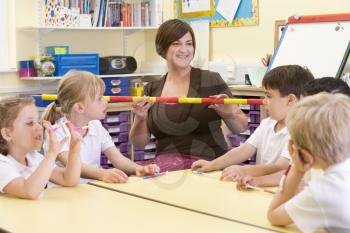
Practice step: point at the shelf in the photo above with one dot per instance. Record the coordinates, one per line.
(101, 76)
(90, 28)
(246, 90)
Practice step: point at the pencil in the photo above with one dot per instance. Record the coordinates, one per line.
(260, 189)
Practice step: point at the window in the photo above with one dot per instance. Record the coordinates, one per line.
(4, 54)
(6, 47)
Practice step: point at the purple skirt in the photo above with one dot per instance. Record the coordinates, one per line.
(171, 162)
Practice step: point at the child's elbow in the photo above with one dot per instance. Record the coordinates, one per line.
(273, 219)
(32, 195)
(71, 183)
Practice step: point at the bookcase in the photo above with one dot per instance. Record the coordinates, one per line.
(114, 38)
(105, 38)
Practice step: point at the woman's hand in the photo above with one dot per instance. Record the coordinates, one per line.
(224, 110)
(141, 106)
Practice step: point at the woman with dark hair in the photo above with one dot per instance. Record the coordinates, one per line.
(184, 132)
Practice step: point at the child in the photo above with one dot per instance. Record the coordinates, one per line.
(319, 128)
(269, 142)
(24, 172)
(327, 84)
(80, 100)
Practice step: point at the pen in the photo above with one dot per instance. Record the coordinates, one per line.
(260, 189)
(157, 174)
(283, 179)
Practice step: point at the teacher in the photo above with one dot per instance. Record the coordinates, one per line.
(184, 132)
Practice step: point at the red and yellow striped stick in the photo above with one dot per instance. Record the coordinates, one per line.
(172, 100)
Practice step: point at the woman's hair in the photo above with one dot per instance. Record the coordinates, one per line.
(74, 87)
(9, 110)
(320, 124)
(170, 31)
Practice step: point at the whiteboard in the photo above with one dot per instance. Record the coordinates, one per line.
(319, 46)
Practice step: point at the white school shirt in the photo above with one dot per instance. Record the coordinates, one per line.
(11, 169)
(324, 203)
(92, 145)
(269, 144)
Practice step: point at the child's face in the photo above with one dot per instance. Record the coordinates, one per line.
(27, 132)
(277, 106)
(96, 108)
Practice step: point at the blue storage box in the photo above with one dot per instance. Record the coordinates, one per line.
(56, 50)
(41, 103)
(117, 86)
(67, 62)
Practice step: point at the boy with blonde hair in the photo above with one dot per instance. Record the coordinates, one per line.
(319, 128)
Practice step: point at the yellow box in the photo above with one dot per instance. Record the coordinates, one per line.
(136, 91)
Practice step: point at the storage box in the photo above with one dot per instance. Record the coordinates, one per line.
(86, 62)
(57, 50)
(118, 86)
(121, 137)
(41, 103)
(117, 117)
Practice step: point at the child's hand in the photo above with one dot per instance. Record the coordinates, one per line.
(147, 170)
(141, 106)
(232, 173)
(243, 182)
(74, 145)
(54, 146)
(302, 159)
(114, 175)
(224, 110)
(202, 166)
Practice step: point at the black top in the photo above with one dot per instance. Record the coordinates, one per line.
(191, 129)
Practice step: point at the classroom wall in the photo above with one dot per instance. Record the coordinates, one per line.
(253, 42)
(24, 43)
(239, 43)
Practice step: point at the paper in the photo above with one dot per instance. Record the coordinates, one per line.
(228, 8)
(190, 6)
(201, 30)
(256, 75)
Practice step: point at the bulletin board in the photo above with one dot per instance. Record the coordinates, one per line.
(317, 42)
(247, 13)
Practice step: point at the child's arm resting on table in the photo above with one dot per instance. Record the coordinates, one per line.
(235, 156)
(303, 162)
(120, 161)
(112, 175)
(31, 187)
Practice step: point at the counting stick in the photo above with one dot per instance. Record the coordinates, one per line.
(172, 100)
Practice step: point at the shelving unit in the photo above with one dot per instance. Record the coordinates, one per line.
(101, 76)
(114, 109)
